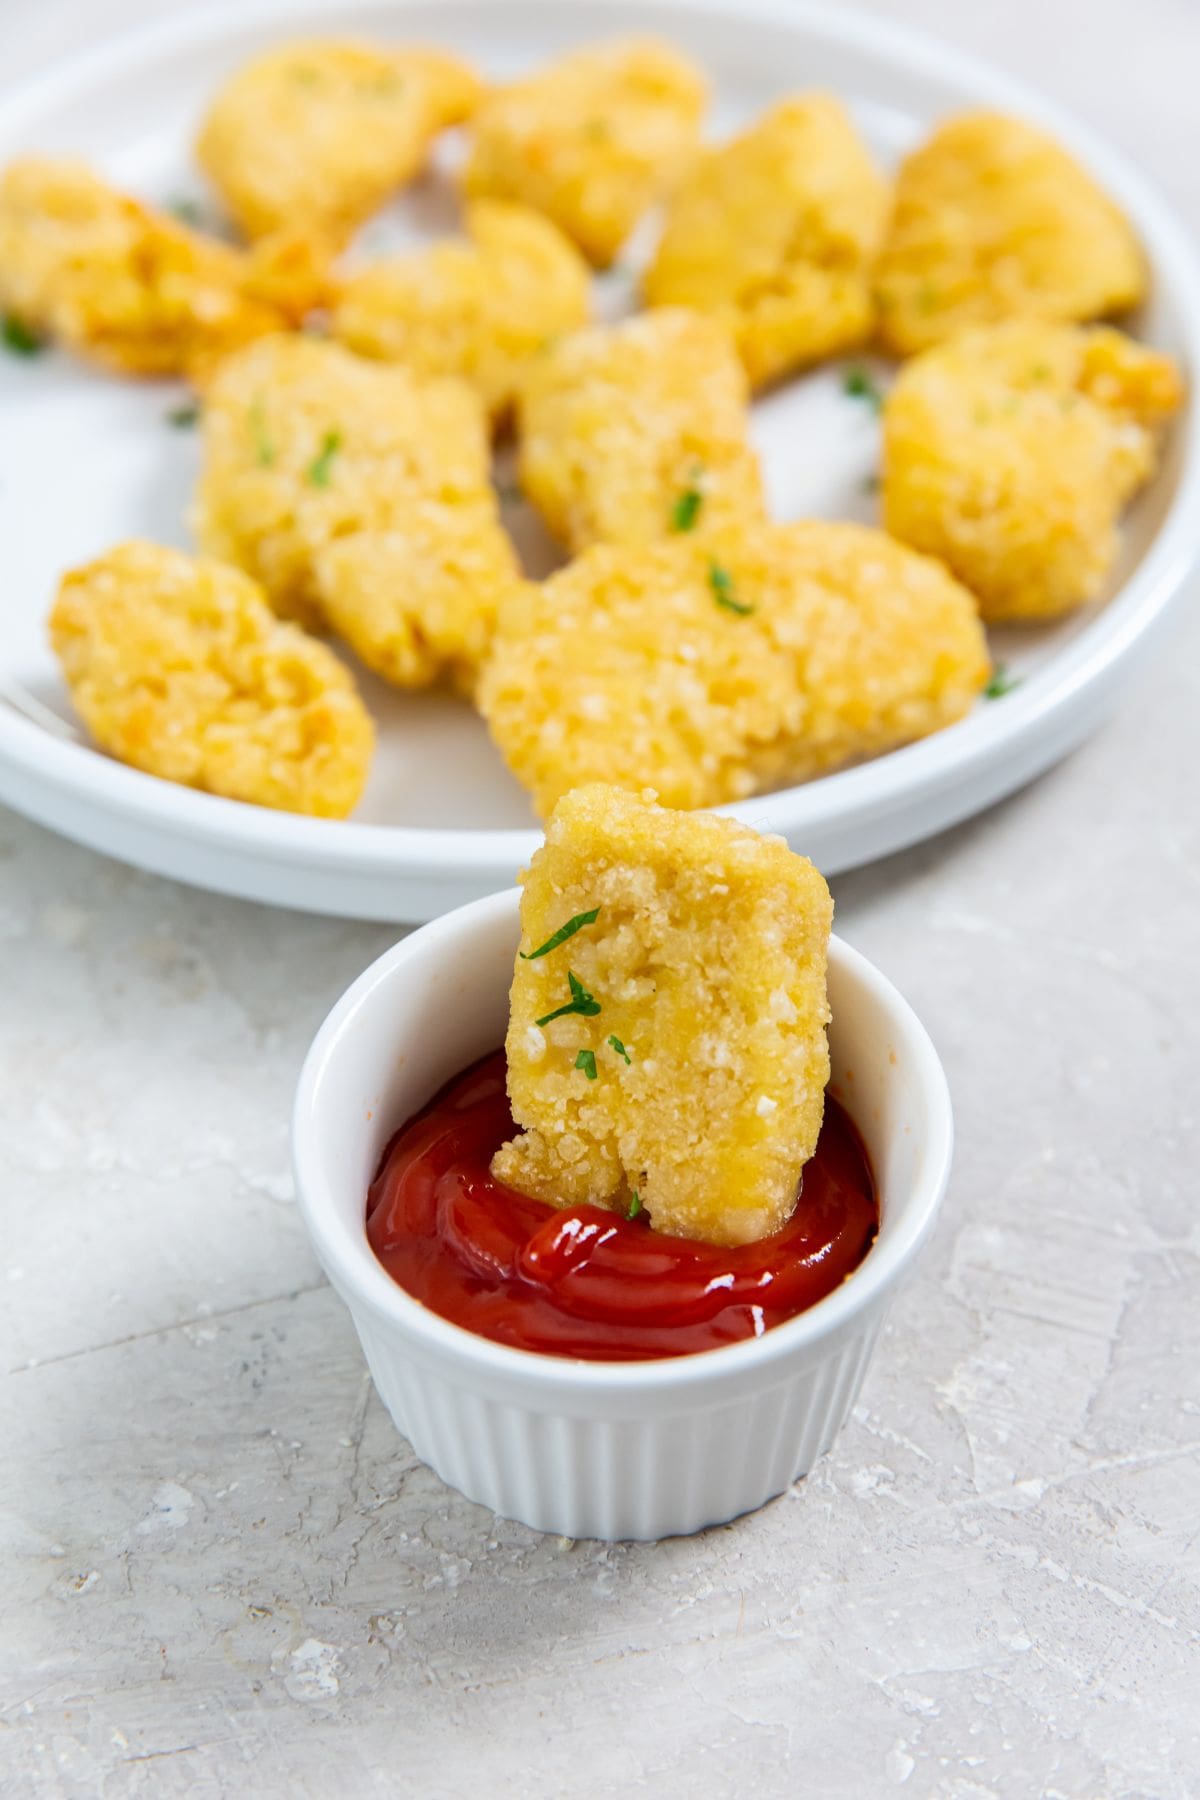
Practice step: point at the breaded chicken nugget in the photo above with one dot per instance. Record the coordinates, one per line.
(675, 1046)
(360, 497)
(1010, 451)
(179, 667)
(775, 234)
(479, 308)
(994, 220)
(319, 134)
(802, 647)
(131, 288)
(629, 432)
(592, 139)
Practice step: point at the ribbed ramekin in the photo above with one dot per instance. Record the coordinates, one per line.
(591, 1449)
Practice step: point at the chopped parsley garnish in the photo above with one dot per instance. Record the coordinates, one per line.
(186, 210)
(635, 1205)
(264, 449)
(860, 384)
(616, 1044)
(320, 469)
(586, 1060)
(1001, 683)
(562, 934)
(686, 509)
(721, 583)
(19, 339)
(580, 1002)
(183, 417)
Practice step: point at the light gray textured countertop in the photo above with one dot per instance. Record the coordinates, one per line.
(224, 1572)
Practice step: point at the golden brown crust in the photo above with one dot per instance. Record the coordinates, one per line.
(994, 220)
(619, 424)
(178, 667)
(319, 134)
(361, 498)
(133, 289)
(802, 647)
(1010, 451)
(775, 234)
(707, 964)
(478, 307)
(592, 139)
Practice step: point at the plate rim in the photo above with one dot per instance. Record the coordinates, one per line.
(913, 773)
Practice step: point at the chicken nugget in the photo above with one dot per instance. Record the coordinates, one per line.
(631, 432)
(994, 220)
(319, 134)
(132, 289)
(673, 1048)
(1010, 451)
(802, 647)
(776, 234)
(592, 139)
(478, 308)
(179, 667)
(360, 497)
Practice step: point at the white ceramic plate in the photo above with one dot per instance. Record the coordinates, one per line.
(86, 460)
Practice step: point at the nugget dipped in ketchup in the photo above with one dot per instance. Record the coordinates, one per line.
(652, 1167)
(671, 1042)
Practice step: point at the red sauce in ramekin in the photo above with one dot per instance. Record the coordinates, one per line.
(582, 1281)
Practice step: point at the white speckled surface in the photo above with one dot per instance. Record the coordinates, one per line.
(224, 1573)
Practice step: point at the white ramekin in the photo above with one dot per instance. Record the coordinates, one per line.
(590, 1449)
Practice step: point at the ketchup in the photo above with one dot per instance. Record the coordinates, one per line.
(583, 1281)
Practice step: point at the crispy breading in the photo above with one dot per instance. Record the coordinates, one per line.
(477, 307)
(630, 431)
(591, 139)
(360, 497)
(133, 289)
(1010, 451)
(775, 233)
(706, 969)
(320, 133)
(995, 220)
(803, 647)
(178, 666)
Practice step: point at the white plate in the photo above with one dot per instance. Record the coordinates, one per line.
(86, 461)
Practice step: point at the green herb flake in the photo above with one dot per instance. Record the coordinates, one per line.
(18, 339)
(872, 483)
(614, 1043)
(562, 934)
(586, 1060)
(860, 384)
(186, 210)
(184, 417)
(320, 469)
(1001, 683)
(581, 1002)
(721, 583)
(688, 505)
(635, 1205)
